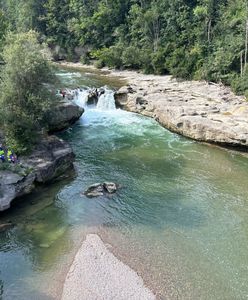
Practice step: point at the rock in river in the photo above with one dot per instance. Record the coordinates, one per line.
(98, 189)
(95, 190)
(110, 187)
(51, 158)
(63, 115)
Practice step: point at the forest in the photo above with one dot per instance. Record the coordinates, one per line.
(189, 39)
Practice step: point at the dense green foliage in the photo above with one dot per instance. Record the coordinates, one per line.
(24, 96)
(192, 39)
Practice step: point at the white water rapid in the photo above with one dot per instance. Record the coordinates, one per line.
(82, 98)
(106, 101)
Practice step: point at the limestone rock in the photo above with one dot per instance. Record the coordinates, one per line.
(63, 115)
(121, 96)
(198, 110)
(51, 158)
(99, 189)
(12, 186)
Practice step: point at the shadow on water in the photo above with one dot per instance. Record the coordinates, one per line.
(34, 245)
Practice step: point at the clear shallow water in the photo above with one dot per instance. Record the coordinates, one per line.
(180, 218)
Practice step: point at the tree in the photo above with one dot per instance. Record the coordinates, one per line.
(24, 96)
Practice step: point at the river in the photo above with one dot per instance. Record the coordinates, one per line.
(180, 218)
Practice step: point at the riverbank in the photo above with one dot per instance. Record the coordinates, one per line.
(205, 112)
(51, 158)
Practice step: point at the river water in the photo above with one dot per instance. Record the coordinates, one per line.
(180, 218)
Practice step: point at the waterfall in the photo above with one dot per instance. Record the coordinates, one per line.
(82, 98)
(106, 101)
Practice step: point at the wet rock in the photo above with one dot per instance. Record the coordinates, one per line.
(99, 189)
(95, 190)
(93, 97)
(110, 187)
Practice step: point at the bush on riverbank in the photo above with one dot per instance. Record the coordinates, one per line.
(24, 96)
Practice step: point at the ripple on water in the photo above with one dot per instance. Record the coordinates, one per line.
(180, 218)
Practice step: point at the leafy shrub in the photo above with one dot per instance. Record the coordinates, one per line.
(131, 57)
(110, 57)
(24, 97)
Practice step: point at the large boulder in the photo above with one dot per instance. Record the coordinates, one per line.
(13, 185)
(64, 114)
(51, 158)
(121, 96)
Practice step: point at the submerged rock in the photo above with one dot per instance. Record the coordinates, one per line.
(99, 189)
(44, 246)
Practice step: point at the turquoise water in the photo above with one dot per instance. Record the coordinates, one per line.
(180, 218)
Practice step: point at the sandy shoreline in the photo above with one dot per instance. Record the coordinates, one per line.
(96, 274)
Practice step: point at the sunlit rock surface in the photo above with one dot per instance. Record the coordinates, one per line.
(199, 110)
(63, 115)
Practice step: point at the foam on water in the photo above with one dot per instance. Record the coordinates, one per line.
(81, 98)
(106, 101)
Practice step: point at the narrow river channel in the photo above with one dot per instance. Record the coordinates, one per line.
(180, 219)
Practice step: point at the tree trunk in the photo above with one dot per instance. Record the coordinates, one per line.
(241, 63)
(209, 30)
(246, 45)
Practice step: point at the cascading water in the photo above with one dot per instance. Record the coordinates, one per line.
(81, 98)
(106, 101)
